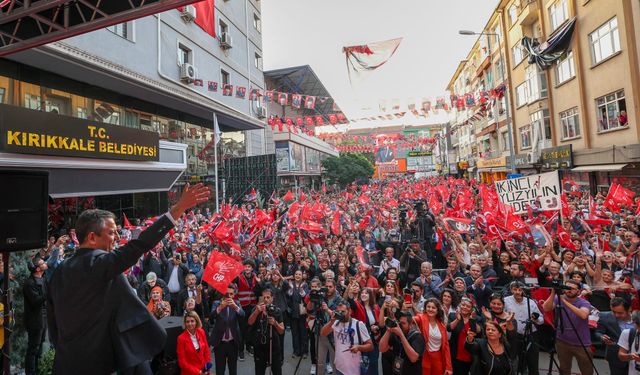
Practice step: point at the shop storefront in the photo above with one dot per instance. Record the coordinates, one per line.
(299, 160)
(522, 165)
(463, 166)
(491, 170)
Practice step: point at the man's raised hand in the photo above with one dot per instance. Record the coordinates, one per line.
(191, 196)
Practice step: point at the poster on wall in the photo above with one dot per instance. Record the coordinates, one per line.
(385, 154)
(297, 157)
(313, 160)
(282, 159)
(540, 191)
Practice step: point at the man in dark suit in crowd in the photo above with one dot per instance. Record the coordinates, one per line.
(35, 313)
(610, 326)
(225, 336)
(174, 277)
(97, 323)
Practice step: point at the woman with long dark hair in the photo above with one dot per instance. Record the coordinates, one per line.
(367, 311)
(491, 353)
(461, 358)
(431, 323)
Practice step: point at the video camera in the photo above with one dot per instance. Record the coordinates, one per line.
(338, 315)
(317, 296)
(390, 323)
(402, 215)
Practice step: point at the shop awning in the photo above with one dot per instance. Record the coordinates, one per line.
(497, 169)
(599, 168)
(471, 169)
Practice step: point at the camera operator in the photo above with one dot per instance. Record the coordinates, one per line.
(266, 321)
(572, 333)
(314, 305)
(629, 344)
(351, 339)
(325, 343)
(406, 343)
(411, 260)
(525, 315)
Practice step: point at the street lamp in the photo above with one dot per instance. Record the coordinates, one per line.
(506, 96)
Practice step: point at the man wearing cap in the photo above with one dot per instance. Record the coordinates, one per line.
(97, 325)
(144, 291)
(523, 314)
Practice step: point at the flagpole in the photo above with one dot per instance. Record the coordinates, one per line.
(216, 139)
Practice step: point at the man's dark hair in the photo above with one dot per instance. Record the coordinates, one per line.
(573, 282)
(91, 221)
(520, 266)
(417, 283)
(249, 262)
(267, 290)
(343, 303)
(617, 301)
(33, 264)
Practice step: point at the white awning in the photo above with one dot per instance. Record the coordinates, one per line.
(599, 168)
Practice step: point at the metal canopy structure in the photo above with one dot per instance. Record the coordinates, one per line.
(26, 24)
(302, 80)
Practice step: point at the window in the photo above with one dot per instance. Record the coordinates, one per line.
(518, 54)
(124, 30)
(541, 122)
(605, 41)
(184, 55)
(513, 14)
(257, 24)
(565, 69)
(223, 27)
(504, 137)
(558, 13)
(536, 83)
(81, 112)
(32, 101)
(612, 111)
(258, 61)
(224, 77)
(2, 94)
(521, 95)
(525, 137)
(570, 123)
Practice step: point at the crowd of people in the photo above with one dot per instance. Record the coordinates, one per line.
(376, 276)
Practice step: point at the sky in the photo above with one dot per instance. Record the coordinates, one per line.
(301, 32)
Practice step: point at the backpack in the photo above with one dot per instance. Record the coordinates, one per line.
(632, 337)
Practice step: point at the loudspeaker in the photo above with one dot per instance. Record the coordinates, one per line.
(173, 326)
(24, 196)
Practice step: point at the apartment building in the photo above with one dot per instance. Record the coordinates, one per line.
(579, 115)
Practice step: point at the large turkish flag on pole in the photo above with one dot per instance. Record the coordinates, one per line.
(221, 270)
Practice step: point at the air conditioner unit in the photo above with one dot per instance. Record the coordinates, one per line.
(188, 13)
(187, 72)
(261, 112)
(226, 41)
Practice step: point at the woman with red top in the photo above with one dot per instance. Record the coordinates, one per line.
(461, 358)
(437, 357)
(367, 311)
(192, 347)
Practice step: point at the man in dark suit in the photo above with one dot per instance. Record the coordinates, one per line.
(610, 326)
(176, 272)
(225, 336)
(97, 324)
(35, 297)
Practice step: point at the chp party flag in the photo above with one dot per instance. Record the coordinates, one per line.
(221, 270)
(457, 225)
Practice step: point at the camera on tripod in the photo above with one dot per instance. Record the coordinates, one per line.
(317, 296)
(402, 214)
(557, 285)
(273, 311)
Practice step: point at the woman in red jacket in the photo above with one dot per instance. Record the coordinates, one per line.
(437, 358)
(192, 348)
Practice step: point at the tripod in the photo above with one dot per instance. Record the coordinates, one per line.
(316, 332)
(559, 324)
(528, 337)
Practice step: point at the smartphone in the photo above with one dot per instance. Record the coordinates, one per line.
(408, 298)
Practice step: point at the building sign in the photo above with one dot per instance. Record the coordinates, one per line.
(282, 159)
(538, 191)
(26, 131)
(557, 157)
(453, 168)
(420, 161)
(520, 160)
(463, 164)
(492, 163)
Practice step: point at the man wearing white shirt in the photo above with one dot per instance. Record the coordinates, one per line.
(389, 261)
(351, 339)
(517, 304)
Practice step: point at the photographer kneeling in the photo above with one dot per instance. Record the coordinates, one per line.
(405, 342)
(264, 320)
(351, 338)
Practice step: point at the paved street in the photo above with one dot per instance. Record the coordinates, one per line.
(246, 367)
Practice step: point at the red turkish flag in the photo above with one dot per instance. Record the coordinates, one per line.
(391, 203)
(335, 224)
(363, 199)
(126, 222)
(221, 270)
(308, 120)
(566, 210)
(622, 195)
(302, 196)
(319, 120)
(288, 197)
(565, 240)
(205, 16)
(333, 118)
